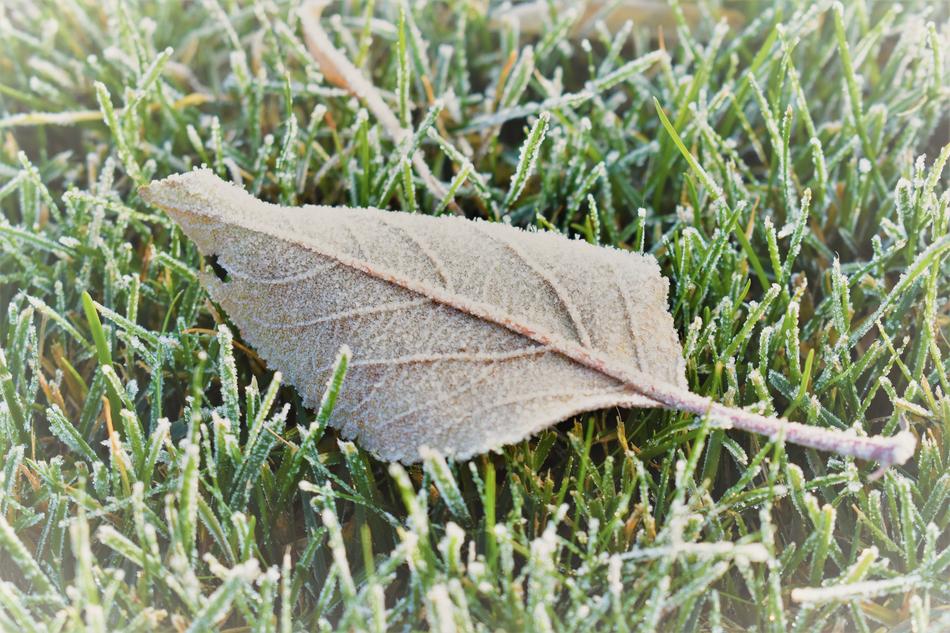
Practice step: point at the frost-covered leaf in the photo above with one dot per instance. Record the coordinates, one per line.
(465, 336)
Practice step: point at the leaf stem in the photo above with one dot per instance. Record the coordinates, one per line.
(886, 451)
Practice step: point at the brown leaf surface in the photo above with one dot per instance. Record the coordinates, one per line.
(455, 326)
(465, 335)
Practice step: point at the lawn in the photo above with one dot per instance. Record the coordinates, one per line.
(786, 167)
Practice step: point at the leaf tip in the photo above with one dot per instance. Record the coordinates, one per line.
(903, 447)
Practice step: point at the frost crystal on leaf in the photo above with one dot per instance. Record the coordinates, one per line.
(397, 287)
(465, 336)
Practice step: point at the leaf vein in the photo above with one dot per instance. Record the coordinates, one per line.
(568, 305)
(354, 313)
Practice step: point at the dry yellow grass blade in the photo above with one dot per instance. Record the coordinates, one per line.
(532, 17)
(341, 72)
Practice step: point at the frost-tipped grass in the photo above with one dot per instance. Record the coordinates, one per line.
(792, 185)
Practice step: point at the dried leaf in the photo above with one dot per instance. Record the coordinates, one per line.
(465, 335)
(532, 17)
